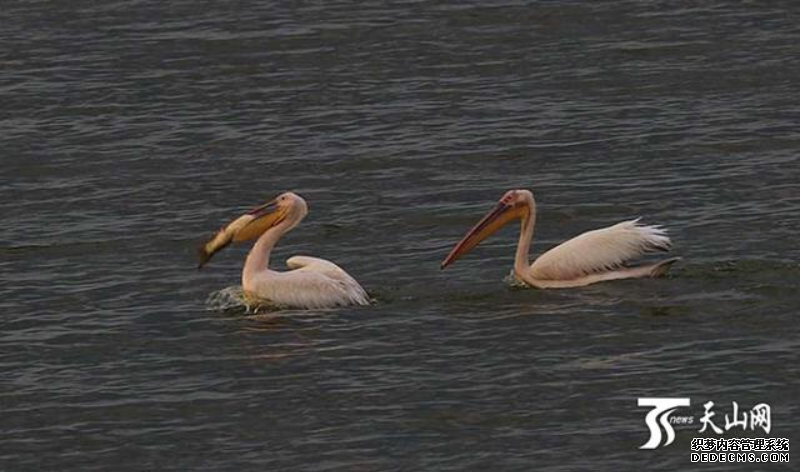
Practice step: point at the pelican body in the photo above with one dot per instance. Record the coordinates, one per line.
(594, 256)
(309, 283)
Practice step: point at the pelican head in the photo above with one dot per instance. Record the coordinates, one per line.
(514, 204)
(287, 206)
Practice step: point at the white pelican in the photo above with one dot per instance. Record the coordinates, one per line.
(310, 282)
(594, 256)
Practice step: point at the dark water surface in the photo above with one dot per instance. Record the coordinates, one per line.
(131, 130)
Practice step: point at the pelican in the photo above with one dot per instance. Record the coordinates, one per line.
(309, 283)
(594, 256)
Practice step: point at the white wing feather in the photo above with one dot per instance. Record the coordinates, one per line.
(311, 283)
(599, 250)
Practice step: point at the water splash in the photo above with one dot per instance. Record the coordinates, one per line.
(233, 300)
(514, 282)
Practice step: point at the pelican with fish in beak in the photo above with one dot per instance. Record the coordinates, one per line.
(309, 283)
(594, 256)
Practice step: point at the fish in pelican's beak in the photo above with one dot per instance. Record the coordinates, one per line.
(249, 226)
(509, 208)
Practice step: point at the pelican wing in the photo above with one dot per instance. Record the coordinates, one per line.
(599, 251)
(314, 283)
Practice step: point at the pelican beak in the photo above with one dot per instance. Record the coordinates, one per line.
(499, 216)
(249, 226)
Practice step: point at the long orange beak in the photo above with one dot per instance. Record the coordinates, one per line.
(249, 226)
(499, 216)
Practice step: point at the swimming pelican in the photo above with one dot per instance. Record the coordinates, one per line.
(594, 256)
(309, 283)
